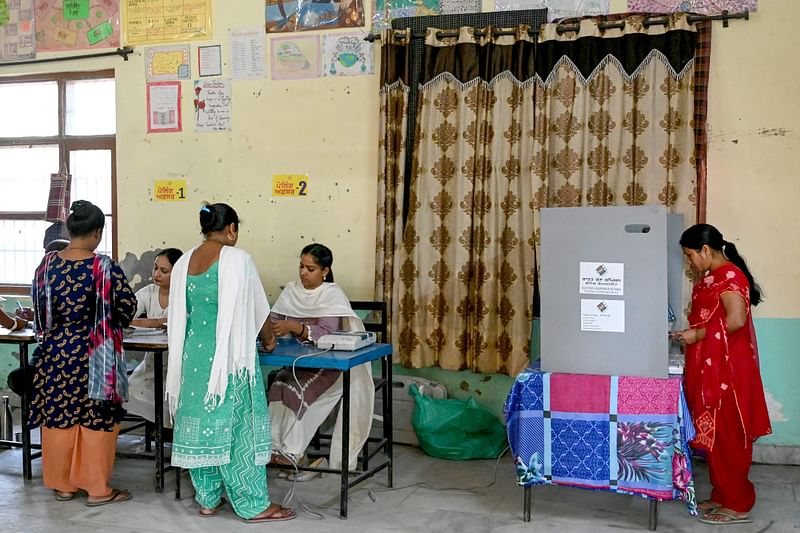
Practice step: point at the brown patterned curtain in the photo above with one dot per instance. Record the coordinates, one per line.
(392, 154)
(506, 124)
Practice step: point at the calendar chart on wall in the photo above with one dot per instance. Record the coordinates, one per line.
(160, 21)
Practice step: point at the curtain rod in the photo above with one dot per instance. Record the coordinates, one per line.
(122, 52)
(575, 26)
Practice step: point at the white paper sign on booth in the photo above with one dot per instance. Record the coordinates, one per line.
(602, 278)
(603, 315)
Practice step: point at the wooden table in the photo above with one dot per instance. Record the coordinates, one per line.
(286, 354)
(23, 338)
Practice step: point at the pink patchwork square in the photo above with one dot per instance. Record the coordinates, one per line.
(641, 396)
(579, 393)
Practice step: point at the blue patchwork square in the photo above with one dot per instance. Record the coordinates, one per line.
(580, 449)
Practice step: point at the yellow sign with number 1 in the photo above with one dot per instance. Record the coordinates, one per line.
(169, 190)
(289, 185)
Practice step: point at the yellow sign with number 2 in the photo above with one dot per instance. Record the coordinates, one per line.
(289, 185)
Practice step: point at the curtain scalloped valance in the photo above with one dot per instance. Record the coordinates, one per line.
(484, 55)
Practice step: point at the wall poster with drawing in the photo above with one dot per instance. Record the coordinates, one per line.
(303, 15)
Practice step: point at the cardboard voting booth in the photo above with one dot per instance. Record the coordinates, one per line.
(611, 289)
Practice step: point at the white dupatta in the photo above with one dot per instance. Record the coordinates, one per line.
(243, 308)
(327, 300)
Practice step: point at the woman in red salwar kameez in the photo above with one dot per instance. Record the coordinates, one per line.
(722, 379)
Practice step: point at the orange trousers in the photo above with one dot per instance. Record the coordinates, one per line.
(78, 458)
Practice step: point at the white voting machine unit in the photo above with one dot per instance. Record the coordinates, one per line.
(346, 340)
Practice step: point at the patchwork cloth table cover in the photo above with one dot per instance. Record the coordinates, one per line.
(614, 433)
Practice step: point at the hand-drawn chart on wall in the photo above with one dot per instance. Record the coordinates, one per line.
(76, 24)
(16, 30)
(164, 21)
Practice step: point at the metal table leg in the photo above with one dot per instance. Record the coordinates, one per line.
(345, 442)
(159, 415)
(652, 522)
(24, 404)
(387, 417)
(526, 506)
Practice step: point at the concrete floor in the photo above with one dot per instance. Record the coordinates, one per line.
(430, 495)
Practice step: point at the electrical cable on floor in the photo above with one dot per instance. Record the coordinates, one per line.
(421, 484)
(292, 494)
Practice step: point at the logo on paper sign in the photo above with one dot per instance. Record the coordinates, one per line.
(602, 306)
(604, 278)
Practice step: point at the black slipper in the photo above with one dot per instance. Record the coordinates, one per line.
(117, 495)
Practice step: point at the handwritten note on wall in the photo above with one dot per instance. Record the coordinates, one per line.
(212, 105)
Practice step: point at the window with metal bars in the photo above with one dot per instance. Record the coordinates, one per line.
(52, 123)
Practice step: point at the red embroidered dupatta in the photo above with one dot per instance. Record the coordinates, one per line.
(723, 367)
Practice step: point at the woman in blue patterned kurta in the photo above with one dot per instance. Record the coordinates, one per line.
(81, 302)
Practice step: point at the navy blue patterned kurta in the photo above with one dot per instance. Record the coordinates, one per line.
(61, 374)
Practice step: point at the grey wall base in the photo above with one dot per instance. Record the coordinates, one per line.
(776, 455)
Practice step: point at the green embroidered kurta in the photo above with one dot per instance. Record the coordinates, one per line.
(203, 431)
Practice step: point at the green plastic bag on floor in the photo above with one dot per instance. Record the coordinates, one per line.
(456, 429)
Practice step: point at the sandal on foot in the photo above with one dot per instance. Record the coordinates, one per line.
(117, 496)
(279, 514)
(205, 512)
(64, 496)
(724, 518)
(707, 506)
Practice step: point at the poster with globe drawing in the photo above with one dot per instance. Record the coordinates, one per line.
(346, 54)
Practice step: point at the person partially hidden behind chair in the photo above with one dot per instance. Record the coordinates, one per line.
(301, 399)
(24, 317)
